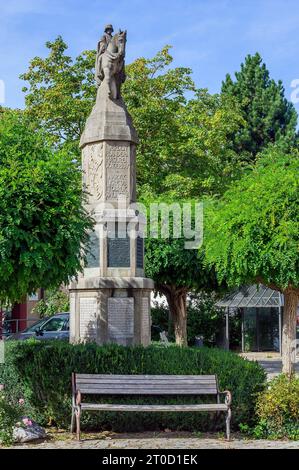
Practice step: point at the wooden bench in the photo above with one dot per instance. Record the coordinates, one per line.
(137, 385)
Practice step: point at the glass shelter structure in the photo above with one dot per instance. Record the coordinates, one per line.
(261, 312)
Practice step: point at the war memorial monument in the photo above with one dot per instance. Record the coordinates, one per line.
(110, 300)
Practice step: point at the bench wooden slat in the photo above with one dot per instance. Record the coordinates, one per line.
(149, 382)
(112, 407)
(144, 385)
(145, 377)
(144, 390)
(148, 391)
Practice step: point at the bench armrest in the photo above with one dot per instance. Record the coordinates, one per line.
(228, 397)
(78, 398)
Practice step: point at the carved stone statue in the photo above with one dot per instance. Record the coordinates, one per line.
(110, 61)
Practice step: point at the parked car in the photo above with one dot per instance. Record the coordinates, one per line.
(56, 327)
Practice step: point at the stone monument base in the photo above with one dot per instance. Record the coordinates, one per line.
(111, 310)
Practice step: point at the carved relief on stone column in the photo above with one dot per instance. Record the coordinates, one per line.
(92, 159)
(118, 170)
(133, 174)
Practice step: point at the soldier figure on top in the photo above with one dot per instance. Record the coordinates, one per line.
(110, 64)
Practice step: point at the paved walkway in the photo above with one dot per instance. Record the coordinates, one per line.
(274, 367)
(271, 362)
(161, 442)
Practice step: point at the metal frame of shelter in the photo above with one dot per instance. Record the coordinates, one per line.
(253, 296)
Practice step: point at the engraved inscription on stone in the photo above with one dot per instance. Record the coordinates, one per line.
(119, 252)
(121, 320)
(93, 171)
(117, 184)
(117, 156)
(88, 323)
(117, 164)
(93, 255)
(145, 321)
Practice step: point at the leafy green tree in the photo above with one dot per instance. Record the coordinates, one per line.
(55, 301)
(155, 95)
(268, 114)
(60, 92)
(252, 235)
(184, 148)
(175, 269)
(42, 221)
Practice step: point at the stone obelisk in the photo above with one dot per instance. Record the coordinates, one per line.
(110, 300)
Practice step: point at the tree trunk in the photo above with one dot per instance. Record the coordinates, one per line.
(177, 302)
(291, 298)
(170, 323)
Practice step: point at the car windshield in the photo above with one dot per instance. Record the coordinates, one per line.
(35, 326)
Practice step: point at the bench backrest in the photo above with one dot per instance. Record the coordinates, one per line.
(97, 384)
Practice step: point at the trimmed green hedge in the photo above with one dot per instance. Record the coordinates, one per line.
(40, 372)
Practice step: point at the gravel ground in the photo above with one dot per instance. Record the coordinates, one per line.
(155, 441)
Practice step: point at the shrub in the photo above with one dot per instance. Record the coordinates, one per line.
(278, 409)
(10, 417)
(41, 373)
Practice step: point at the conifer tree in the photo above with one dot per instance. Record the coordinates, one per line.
(268, 114)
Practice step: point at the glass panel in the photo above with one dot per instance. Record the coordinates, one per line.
(250, 324)
(268, 329)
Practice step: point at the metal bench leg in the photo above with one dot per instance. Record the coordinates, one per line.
(78, 415)
(228, 418)
(73, 422)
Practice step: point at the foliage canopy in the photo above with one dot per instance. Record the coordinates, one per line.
(42, 220)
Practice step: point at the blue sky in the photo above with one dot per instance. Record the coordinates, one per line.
(210, 36)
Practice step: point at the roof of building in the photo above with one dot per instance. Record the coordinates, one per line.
(252, 296)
